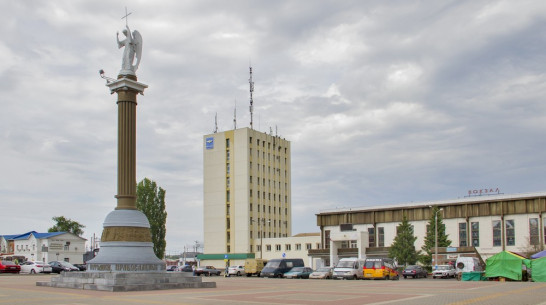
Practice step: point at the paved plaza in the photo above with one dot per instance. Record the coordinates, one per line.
(22, 289)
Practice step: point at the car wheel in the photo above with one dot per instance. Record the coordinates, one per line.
(32, 271)
(238, 273)
(405, 277)
(387, 278)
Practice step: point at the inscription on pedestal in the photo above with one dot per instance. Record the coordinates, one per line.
(125, 267)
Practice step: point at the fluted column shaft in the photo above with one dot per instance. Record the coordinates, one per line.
(126, 196)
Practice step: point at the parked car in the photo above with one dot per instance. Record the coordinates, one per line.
(298, 273)
(254, 266)
(236, 270)
(207, 271)
(278, 267)
(350, 268)
(81, 267)
(60, 266)
(444, 271)
(35, 267)
(322, 273)
(171, 268)
(414, 271)
(9, 267)
(185, 268)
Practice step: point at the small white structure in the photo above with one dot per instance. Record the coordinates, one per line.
(45, 247)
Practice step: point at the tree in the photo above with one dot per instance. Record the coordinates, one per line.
(403, 247)
(151, 201)
(430, 238)
(66, 225)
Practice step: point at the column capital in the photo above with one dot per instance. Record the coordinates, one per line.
(125, 84)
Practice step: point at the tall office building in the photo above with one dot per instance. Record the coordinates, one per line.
(247, 193)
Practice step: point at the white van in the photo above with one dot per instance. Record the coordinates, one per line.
(349, 269)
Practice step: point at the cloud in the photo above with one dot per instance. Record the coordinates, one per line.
(382, 102)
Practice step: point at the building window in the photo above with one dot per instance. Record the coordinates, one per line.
(475, 233)
(277, 247)
(227, 182)
(288, 247)
(381, 237)
(227, 196)
(371, 237)
(251, 207)
(250, 193)
(510, 233)
(258, 248)
(533, 232)
(497, 233)
(227, 155)
(250, 140)
(268, 248)
(251, 249)
(227, 168)
(462, 234)
(327, 239)
(227, 143)
(308, 246)
(298, 247)
(318, 246)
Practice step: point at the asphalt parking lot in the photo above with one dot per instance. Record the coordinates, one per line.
(22, 289)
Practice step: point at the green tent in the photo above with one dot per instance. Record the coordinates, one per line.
(506, 264)
(538, 269)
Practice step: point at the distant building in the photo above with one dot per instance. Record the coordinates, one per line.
(247, 192)
(44, 247)
(483, 224)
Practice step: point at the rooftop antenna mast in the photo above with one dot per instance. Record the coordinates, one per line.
(235, 116)
(216, 122)
(251, 100)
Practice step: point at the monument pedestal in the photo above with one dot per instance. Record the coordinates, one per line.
(126, 281)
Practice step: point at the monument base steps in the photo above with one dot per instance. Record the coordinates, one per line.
(114, 282)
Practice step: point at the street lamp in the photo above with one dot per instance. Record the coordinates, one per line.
(436, 238)
(261, 223)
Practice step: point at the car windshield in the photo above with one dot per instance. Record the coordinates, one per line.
(345, 264)
(443, 268)
(7, 263)
(273, 265)
(411, 267)
(323, 269)
(67, 264)
(296, 269)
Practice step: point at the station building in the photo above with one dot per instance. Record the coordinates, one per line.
(485, 225)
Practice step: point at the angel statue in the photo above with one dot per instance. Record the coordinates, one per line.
(133, 47)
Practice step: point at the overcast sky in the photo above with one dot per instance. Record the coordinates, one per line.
(384, 102)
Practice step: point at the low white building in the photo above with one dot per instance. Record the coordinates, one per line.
(45, 247)
(296, 246)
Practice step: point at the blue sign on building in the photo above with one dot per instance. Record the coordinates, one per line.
(209, 143)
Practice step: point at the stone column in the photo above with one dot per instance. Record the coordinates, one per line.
(126, 149)
(126, 241)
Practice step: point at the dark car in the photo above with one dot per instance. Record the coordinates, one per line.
(414, 271)
(298, 273)
(59, 266)
(81, 267)
(172, 268)
(9, 267)
(207, 271)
